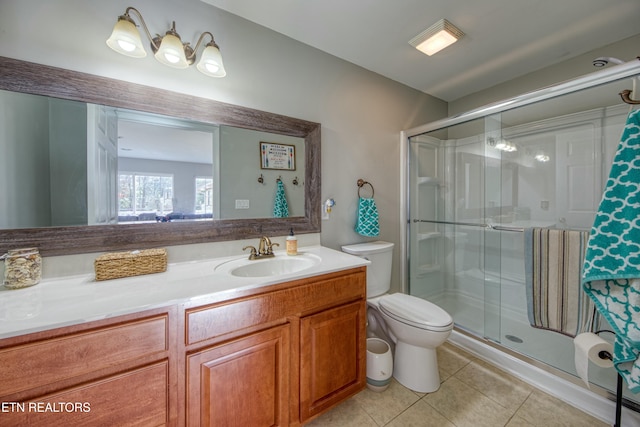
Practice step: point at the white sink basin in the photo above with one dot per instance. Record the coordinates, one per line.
(278, 265)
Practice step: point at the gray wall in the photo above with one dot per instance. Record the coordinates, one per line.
(240, 169)
(24, 161)
(68, 162)
(361, 112)
(43, 152)
(625, 50)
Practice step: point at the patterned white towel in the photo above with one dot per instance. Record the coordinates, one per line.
(611, 275)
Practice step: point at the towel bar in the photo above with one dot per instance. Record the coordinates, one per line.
(474, 224)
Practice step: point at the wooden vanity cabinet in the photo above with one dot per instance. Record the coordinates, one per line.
(105, 373)
(277, 358)
(278, 355)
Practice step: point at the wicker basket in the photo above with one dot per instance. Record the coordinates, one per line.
(135, 263)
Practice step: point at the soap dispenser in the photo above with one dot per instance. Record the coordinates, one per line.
(292, 244)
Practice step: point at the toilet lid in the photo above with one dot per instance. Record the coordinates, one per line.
(368, 248)
(416, 312)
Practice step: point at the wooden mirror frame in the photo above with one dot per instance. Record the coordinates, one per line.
(37, 79)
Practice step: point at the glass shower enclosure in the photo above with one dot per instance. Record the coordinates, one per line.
(475, 182)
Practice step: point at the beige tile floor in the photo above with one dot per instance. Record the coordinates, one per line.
(473, 393)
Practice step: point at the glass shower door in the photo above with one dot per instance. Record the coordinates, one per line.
(476, 186)
(447, 226)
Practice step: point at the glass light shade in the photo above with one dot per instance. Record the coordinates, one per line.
(211, 62)
(437, 42)
(171, 52)
(125, 39)
(435, 38)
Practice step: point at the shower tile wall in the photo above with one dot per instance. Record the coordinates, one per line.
(425, 263)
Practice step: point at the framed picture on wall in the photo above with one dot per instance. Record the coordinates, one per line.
(277, 156)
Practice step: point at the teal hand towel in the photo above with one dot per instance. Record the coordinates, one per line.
(367, 221)
(611, 274)
(280, 206)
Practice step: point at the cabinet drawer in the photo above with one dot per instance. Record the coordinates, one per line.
(44, 362)
(234, 316)
(331, 291)
(301, 297)
(135, 398)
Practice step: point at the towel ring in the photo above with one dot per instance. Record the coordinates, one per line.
(626, 97)
(362, 183)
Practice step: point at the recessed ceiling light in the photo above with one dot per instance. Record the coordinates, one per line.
(435, 38)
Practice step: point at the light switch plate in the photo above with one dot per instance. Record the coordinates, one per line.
(242, 204)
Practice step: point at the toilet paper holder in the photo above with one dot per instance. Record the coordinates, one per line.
(605, 355)
(608, 356)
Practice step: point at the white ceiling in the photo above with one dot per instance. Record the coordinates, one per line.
(504, 38)
(145, 139)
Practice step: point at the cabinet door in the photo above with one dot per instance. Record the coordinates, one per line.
(241, 383)
(332, 357)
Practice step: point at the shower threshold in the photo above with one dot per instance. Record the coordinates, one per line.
(597, 400)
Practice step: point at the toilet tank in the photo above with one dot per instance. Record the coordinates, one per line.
(379, 271)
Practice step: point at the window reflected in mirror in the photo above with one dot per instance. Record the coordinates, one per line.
(67, 163)
(165, 169)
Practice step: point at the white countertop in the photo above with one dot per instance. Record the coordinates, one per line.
(78, 299)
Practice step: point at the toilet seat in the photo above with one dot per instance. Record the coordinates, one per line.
(416, 312)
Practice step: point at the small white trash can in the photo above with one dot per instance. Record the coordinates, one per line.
(379, 364)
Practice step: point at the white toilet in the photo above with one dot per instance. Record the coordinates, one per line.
(415, 325)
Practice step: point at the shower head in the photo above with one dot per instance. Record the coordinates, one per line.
(604, 60)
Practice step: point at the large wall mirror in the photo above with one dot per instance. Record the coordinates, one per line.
(93, 164)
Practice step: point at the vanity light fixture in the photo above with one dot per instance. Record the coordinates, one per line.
(435, 38)
(168, 49)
